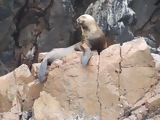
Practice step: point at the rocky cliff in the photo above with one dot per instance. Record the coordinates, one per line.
(28, 27)
(122, 83)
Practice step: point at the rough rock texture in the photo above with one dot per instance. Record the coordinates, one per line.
(121, 20)
(60, 26)
(148, 9)
(128, 89)
(153, 103)
(157, 63)
(119, 84)
(6, 82)
(16, 108)
(106, 89)
(7, 11)
(47, 107)
(137, 65)
(19, 85)
(112, 16)
(28, 27)
(151, 30)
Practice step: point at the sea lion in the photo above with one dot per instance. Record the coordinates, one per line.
(51, 56)
(93, 38)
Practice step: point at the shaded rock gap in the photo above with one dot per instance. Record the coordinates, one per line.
(119, 72)
(39, 19)
(98, 85)
(17, 18)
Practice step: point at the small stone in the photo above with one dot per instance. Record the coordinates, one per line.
(139, 116)
(153, 103)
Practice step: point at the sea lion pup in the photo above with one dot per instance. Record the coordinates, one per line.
(93, 38)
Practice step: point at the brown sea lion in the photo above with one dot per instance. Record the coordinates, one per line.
(93, 38)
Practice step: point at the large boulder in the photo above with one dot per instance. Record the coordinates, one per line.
(7, 82)
(47, 107)
(111, 82)
(138, 71)
(76, 88)
(19, 83)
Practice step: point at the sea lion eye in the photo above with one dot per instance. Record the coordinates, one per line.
(81, 22)
(85, 27)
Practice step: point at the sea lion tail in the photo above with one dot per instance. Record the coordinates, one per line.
(42, 71)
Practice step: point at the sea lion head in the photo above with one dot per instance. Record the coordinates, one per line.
(87, 22)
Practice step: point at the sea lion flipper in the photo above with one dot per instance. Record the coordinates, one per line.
(50, 57)
(42, 71)
(86, 57)
(87, 54)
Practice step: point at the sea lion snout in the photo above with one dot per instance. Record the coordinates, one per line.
(80, 21)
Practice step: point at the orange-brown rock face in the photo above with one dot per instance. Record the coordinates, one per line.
(111, 83)
(119, 84)
(19, 85)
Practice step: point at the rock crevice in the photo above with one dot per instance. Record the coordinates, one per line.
(97, 92)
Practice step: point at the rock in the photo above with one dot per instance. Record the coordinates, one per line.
(71, 89)
(27, 115)
(113, 17)
(149, 28)
(5, 104)
(47, 107)
(81, 6)
(6, 82)
(117, 79)
(153, 103)
(23, 75)
(35, 69)
(138, 71)
(157, 89)
(6, 45)
(126, 119)
(139, 117)
(132, 117)
(31, 93)
(157, 62)
(145, 14)
(60, 26)
(151, 42)
(19, 82)
(14, 112)
(108, 93)
(157, 117)
(43, 4)
(8, 9)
